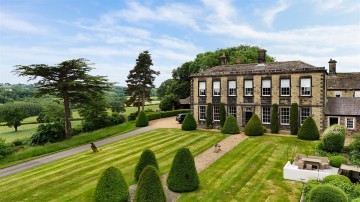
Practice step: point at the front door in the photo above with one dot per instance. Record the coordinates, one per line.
(248, 114)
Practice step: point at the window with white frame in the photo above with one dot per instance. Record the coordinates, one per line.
(202, 113)
(304, 113)
(216, 88)
(216, 113)
(357, 93)
(265, 112)
(266, 87)
(350, 122)
(305, 87)
(285, 116)
(248, 87)
(202, 89)
(338, 93)
(232, 110)
(285, 87)
(232, 88)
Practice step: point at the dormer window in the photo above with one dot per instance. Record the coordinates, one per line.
(248, 88)
(216, 88)
(202, 89)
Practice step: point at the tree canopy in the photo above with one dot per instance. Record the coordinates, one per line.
(70, 80)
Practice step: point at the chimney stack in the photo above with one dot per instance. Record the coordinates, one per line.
(223, 59)
(332, 67)
(261, 56)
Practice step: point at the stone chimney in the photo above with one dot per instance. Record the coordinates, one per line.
(332, 67)
(261, 56)
(223, 59)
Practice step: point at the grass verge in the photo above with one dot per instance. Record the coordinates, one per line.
(252, 171)
(74, 178)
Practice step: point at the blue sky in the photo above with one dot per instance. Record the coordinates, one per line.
(112, 33)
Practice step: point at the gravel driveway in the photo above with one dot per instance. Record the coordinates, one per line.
(168, 122)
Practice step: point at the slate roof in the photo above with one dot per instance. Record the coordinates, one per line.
(255, 68)
(343, 106)
(344, 81)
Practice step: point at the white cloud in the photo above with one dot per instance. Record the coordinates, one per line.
(269, 14)
(12, 23)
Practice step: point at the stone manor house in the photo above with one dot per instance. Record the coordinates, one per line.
(248, 89)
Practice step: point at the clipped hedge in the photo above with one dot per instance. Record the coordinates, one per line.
(189, 122)
(254, 127)
(336, 161)
(309, 130)
(209, 113)
(342, 178)
(174, 112)
(327, 193)
(294, 119)
(274, 122)
(146, 158)
(149, 187)
(230, 126)
(111, 186)
(222, 114)
(141, 120)
(334, 138)
(153, 115)
(183, 176)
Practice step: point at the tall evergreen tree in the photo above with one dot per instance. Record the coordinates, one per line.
(209, 115)
(294, 119)
(274, 123)
(68, 80)
(141, 80)
(222, 114)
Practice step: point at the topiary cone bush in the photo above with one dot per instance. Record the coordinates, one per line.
(142, 120)
(209, 116)
(294, 119)
(149, 187)
(230, 126)
(146, 158)
(111, 186)
(327, 193)
(334, 138)
(189, 122)
(254, 127)
(183, 176)
(309, 130)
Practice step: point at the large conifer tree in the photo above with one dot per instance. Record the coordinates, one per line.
(141, 80)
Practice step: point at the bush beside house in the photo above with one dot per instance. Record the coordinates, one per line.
(230, 126)
(189, 122)
(309, 130)
(254, 127)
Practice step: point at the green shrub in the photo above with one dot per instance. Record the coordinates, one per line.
(309, 130)
(222, 114)
(334, 138)
(254, 127)
(146, 158)
(5, 148)
(336, 161)
(274, 122)
(356, 200)
(142, 120)
(111, 186)
(168, 102)
(149, 187)
(342, 178)
(327, 193)
(183, 176)
(189, 122)
(153, 115)
(174, 112)
(230, 126)
(50, 132)
(309, 186)
(294, 119)
(132, 116)
(209, 116)
(355, 150)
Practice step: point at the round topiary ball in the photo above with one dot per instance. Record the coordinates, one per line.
(146, 158)
(189, 122)
(142, 120)
(327, 193)
(111, 186)
(342, 178)
(230, 126)
(149, 187)
(254, 127)
(183, 176)
(309, 130)
(336, 161)
(334, 138)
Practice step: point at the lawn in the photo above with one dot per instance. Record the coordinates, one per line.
(74, 178)
(252, 171)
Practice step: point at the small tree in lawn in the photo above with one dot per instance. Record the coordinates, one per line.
(149, 187)
(309, 130)
(274, 123)
(209, 115)
(142, 120)
(183, 176)
(189, 122)
(146, 158)
(13, 116)
(230, 126)
(222, 114)
(254, 127)
(111, 186)
(294, 119)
